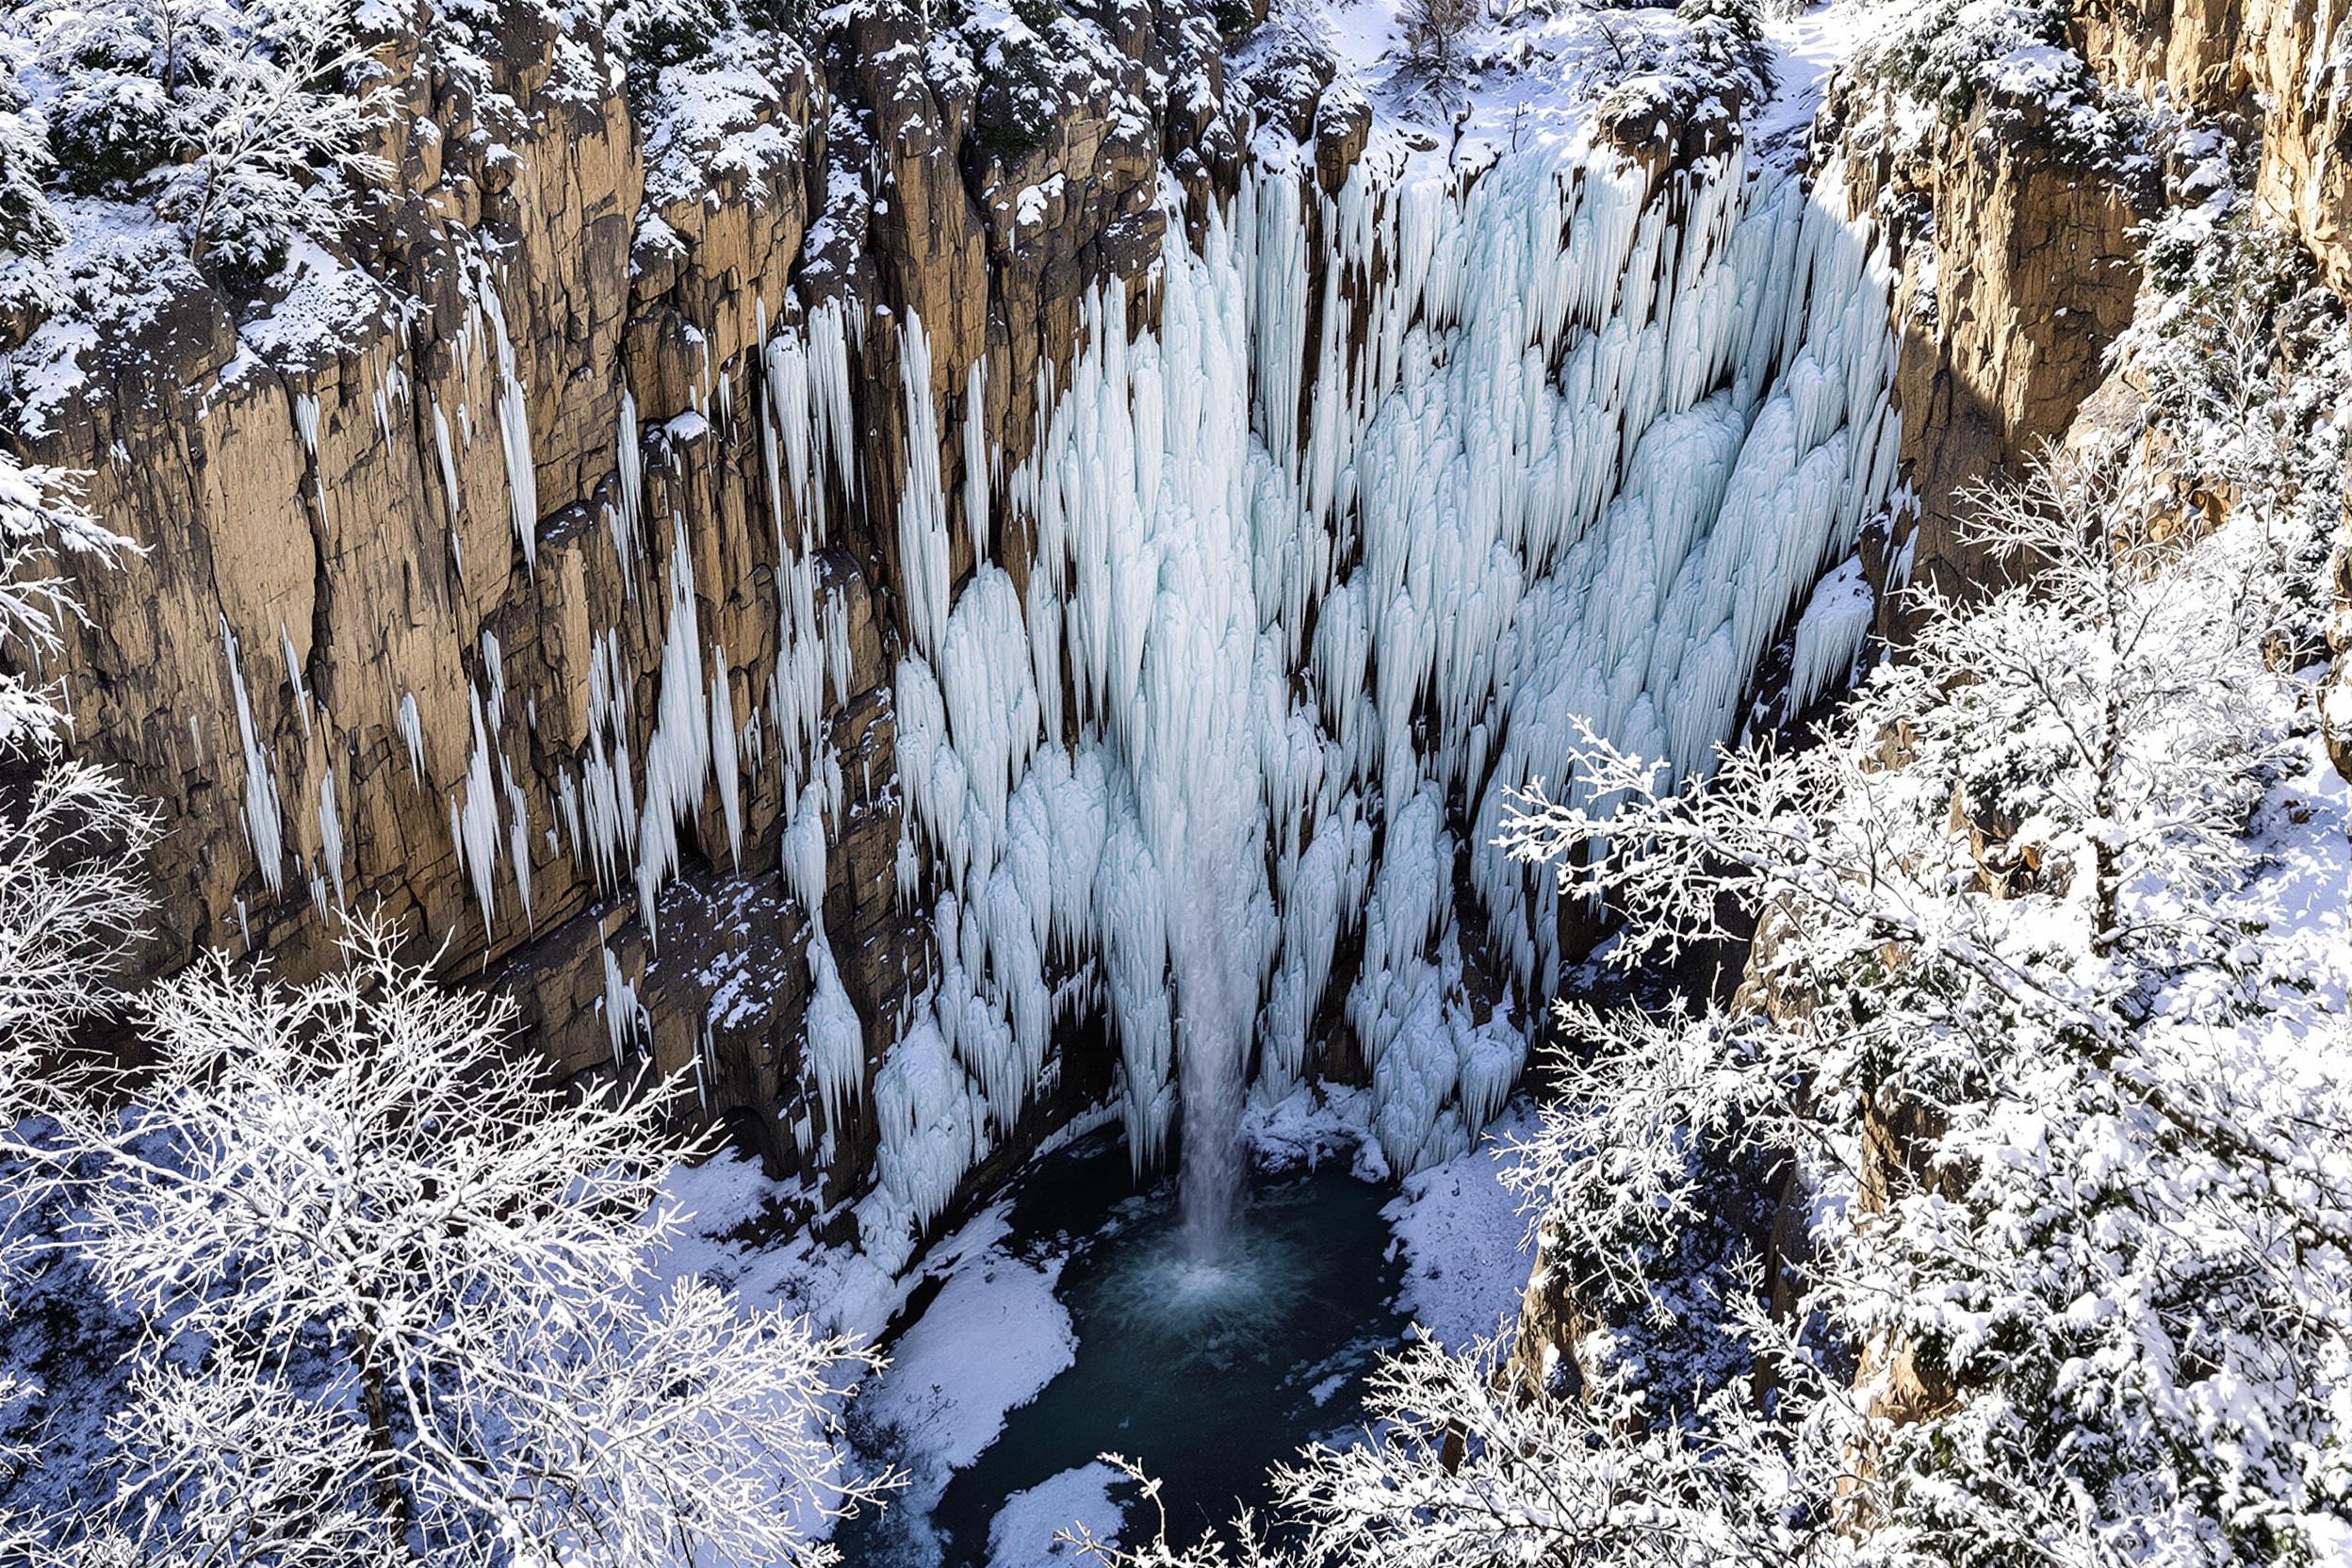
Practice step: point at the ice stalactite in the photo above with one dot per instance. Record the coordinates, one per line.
(626, 516)
(413, 735)
(294, 677)
(474, 819)
(1337, 555)
(446, 459)
(677, 759)
(723, 762)
(623, 1015)
(514, 411)
(263, 831)
(1830, 635)
(922, 544)
(331, 833)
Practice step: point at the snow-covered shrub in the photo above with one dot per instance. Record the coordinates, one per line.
(1727, 45)
(245, 122)
(2248, 365)
(1946, 52)
(652, 35)
(1688, 80)
(1018, 85)
(1434, 33)
(2011, 57)
(71, 836)
(403, 1302)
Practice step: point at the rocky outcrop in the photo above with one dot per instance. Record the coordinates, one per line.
(2022, 256)
(2273, 73)
(2021, 265)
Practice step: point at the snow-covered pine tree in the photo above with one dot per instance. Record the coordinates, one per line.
(405, 1304)
(246, 122)
(29, 230)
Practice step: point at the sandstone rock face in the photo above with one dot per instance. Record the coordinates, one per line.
(2275, 72)
(414, 538)
(2021, 267)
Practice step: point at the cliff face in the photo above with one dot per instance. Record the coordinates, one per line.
(929, 584)
(412, 533)
(2020, 268)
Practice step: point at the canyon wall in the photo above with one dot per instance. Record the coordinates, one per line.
(926, 598)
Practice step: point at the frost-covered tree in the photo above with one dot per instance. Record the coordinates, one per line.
(244, 120)
(2043, 1067)
(1435, 35)
(71, 841)
(71, 836)
(405, 1303)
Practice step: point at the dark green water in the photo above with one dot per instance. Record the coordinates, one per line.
(1208, 1375)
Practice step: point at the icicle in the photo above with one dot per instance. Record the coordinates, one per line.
(294, 677)
(677, 759)
(474, 821)
(262, 821)
(976, 457)
(837, 1041)
(413, 731)
(628, 527)
(922, 546)
(306, 424)
(723, 763)
(447, 461)
(331, 833)
(625, 1017)
(522, 475)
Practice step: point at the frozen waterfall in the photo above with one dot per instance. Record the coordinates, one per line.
(1331, 556)
(1324, 562)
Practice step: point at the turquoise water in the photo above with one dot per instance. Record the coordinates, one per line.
(1207, 1374)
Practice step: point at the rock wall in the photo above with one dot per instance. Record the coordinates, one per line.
(411, 531)
(2022, 260)
(2020, 268)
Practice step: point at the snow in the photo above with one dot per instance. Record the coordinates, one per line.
(987, 1344)
(1022, 1533)
(1805, 48)
(1467, 1244)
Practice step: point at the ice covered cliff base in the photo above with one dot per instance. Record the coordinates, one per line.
(1326, 560)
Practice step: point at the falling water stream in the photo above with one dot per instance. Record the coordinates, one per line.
(1212, 1069)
